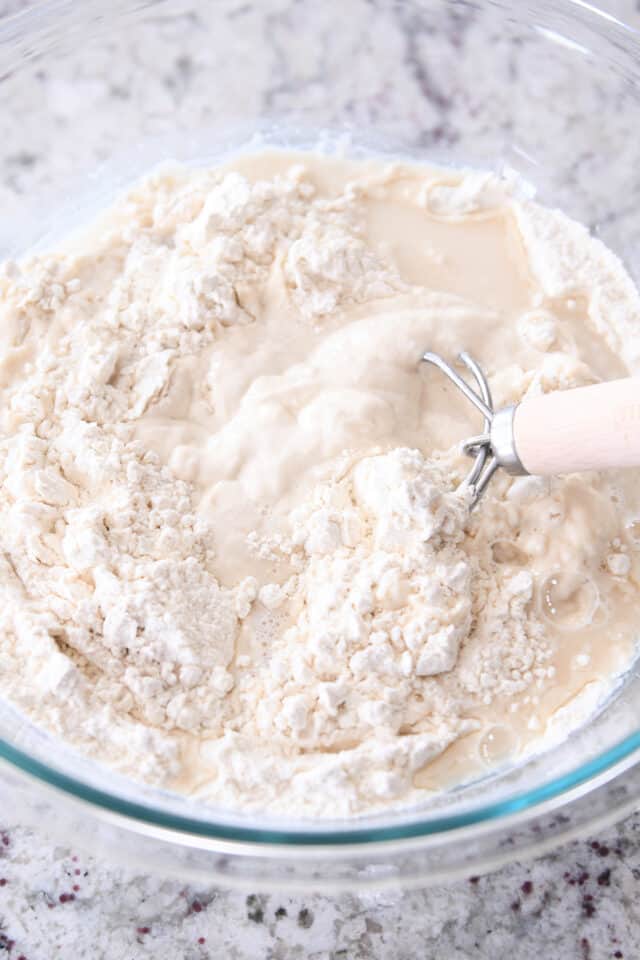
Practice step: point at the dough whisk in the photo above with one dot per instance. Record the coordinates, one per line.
(567, 431)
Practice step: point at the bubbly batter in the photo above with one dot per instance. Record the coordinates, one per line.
(236, 559)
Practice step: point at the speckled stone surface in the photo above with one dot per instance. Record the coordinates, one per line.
(580, 903)
(57, 903)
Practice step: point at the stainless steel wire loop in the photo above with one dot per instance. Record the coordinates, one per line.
(479, 447)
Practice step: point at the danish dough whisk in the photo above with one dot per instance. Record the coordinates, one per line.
(567, 431)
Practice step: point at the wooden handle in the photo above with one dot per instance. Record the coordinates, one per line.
(588, 428)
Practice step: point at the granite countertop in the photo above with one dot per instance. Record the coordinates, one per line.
(579, 903)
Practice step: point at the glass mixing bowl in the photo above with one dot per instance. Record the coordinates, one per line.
(91, 96)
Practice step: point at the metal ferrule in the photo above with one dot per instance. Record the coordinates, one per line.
(503, 445)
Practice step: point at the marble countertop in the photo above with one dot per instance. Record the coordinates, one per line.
(579, 903)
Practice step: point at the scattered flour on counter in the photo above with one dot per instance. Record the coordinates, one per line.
(233, 562)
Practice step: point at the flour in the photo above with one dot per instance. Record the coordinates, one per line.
(567, 260)
(383, 596)
(236, 560)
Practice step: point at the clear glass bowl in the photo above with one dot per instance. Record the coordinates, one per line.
(91, 96)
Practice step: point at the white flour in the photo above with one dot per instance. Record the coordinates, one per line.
(230, 561)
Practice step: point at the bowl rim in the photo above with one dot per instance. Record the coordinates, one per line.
(344, 834)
